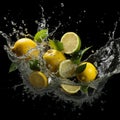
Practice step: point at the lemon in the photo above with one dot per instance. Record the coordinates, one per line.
(23, 45)
(67, 68)
(71, 42)
(53, 58)
(71, 89)
(89, 73)
(38, 79)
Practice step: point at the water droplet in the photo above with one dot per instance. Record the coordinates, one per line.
(62, 4)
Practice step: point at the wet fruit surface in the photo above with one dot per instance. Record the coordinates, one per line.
(94, 26)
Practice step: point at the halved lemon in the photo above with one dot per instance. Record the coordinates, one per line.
(38, 79)
(71, 89)
(67, 68)
(71, 42)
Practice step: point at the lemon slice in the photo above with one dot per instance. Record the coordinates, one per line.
(71, 42)
(67, 68)
(38, 79)
(71, 89)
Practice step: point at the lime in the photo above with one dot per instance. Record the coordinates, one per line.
(88, 74)
(38, 79)
(71, 42)
(71, 89)
(67, 68)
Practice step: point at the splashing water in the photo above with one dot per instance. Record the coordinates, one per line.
(106, 59)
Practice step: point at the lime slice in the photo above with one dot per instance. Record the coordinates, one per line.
(38, 79)
(71, 42)
(71, 89)
(67, 68)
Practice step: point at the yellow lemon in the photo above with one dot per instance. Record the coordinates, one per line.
(89, 73)
(23, 45)
(53, 58)
(38, 79)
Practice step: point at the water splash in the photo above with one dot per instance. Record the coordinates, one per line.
(106, 59)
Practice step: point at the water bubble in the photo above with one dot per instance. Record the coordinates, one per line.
(62, 4)
(69, 17)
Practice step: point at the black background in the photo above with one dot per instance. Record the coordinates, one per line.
(91, 30)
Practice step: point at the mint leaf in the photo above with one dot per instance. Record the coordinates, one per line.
(13, 67)
(77, 56)
(84, 89)
(55, 44)
(34, 64)
(41, 35)
(83, 51)
(80, 68)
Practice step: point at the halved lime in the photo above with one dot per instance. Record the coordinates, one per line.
(71, 89)
(67, 68)
(71, 42)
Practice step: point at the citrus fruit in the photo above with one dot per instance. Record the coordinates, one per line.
(71, 42)
(71, 89)
(88, 74)
(53, 58)
(38, 79)
(23, 45)
(66, 68)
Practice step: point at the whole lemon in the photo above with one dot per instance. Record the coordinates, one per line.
(89, 73)
(23, 45)
(53, 58)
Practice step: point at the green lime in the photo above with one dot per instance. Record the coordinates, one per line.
(67, 68)
(71, 89)
(71, 42)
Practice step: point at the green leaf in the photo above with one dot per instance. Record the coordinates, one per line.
(77, 56)
(34, 64)
(84, 89)
(41, 35)
(83, 51)
(80, 68)
(55, 44)
(13, 67)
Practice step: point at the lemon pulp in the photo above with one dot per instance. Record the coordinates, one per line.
(38, 79)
